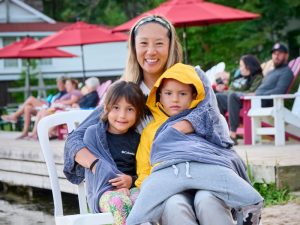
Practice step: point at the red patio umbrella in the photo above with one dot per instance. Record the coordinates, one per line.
(79, 33)
(184, 13)
(16, 50)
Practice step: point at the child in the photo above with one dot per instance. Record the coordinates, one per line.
(114, 142)
(187, 162)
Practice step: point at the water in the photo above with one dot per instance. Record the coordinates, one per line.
(16, 208)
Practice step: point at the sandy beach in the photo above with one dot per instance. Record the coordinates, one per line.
(288, 214)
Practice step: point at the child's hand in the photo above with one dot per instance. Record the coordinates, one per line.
(184, 126)
(121, 181)
(125, 191)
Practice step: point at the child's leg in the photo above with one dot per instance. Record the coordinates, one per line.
(134, 192)
(118, 204)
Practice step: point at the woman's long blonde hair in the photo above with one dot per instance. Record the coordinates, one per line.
(133, 72)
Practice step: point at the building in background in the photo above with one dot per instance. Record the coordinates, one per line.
(18, 20)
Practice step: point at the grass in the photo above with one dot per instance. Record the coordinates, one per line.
(269, 191)
(272, 194)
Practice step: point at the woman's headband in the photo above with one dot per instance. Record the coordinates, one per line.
(153, 19)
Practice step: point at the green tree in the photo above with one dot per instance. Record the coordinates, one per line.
(206, 45)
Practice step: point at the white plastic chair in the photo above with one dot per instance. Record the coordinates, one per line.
(284, 120)
(71, 118)
(211, 73)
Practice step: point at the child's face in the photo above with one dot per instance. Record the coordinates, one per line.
(121, 117)
(175, 96)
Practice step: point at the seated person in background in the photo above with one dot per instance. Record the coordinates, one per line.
(73, 95)
(278, 80)
(90, 98)
(249, 79)
(32, 105)
(222, 81)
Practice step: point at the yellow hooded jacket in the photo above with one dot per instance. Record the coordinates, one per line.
(182, 73)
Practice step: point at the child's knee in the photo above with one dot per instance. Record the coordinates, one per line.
(114, 199)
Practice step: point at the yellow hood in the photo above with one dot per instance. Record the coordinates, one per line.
(183, 73)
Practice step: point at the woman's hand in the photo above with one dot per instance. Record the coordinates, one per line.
(184, 126)
(121, 181)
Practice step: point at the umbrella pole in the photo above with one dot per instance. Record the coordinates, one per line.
(83, 64)
(185, 50)
(27, 86)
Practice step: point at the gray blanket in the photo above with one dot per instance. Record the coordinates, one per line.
(191, 163)
(106, 168)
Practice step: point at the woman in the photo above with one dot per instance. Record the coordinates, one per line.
(153, 48)
(245, 83)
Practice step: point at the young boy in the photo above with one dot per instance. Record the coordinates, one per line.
(186, 162)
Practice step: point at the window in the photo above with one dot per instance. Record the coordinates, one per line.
(9, 63)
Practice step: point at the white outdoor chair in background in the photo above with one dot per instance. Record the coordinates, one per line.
(72, 119)
(282, 119)
(211, 73)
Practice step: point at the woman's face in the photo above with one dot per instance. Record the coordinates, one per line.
(69, 86)
(152, 48)
(243, 70)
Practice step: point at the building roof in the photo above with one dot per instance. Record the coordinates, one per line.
(16, 11)
(32, 27)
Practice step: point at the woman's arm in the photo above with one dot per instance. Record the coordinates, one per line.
(76, 155)
(69, 102)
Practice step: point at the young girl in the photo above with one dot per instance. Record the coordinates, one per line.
(114, 143)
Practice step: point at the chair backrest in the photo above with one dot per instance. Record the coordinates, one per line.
(103, 88)
(220, 67)
(71, 119)
(296, 104)
(295, 67)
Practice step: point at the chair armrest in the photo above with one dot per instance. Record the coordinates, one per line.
(263, 97)
(256, 100)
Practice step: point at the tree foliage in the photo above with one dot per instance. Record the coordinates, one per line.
(206, 45)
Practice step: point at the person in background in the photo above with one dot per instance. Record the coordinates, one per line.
(222, 82)
(90, 97)
(32, 106)
(72, 96)
(278, 80)
(247, 82)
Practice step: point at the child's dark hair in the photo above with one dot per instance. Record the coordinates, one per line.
(132, 94)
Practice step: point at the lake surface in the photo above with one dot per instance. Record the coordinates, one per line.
(18, 209)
